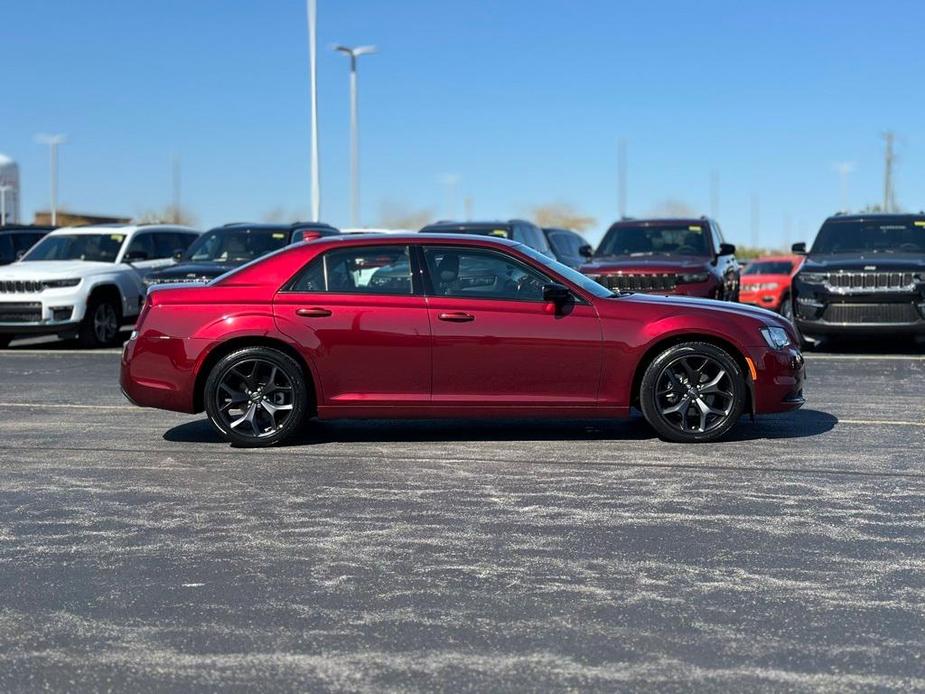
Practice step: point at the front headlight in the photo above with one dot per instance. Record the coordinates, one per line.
(812, 277)
(692, 277)
(777, 338)
(57, 284)
(760, 286)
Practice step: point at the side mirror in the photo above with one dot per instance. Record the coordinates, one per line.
(556, 293)
(586, 251)
(178, 255)
(799, 248)
(134, 256)
(727, 249)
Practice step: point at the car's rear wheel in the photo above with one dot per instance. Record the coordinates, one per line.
(256, 396)
(100, 326)
(691, 392)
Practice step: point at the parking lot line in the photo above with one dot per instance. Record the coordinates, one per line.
(58, 352)
(866, 357)
(71, 406)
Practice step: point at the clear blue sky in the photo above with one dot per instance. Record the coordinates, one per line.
(524, 101)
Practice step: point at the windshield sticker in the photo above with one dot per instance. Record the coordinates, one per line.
(920, 223)
(499, 232)
(694, 227)
(117, 237)
(279, 236)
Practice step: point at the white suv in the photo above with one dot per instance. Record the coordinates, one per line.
(85, 280)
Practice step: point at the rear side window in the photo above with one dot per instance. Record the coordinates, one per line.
(358, 270)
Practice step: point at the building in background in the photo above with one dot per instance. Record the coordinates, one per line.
(73, 219)
(9, 182)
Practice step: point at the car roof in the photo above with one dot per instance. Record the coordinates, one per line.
(9, 228)
(654, 221)
(875, 217)
(126, 229)
(446, 224)
(412, 237)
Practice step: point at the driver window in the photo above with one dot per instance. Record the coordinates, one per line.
(463, 272)
(141, 248)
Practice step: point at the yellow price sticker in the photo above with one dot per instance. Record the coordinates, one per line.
(500, 232)
(694, 227)
(279, 236)
(920, 223)
(117, 237)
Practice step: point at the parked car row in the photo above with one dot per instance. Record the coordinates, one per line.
(864, 274)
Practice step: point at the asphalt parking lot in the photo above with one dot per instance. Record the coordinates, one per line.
(137, 552)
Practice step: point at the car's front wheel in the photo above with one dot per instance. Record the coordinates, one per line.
(693, 392)
(786, 308)
(100, 326)
(256, 396)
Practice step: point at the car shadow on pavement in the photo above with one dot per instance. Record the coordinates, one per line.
(799, 424)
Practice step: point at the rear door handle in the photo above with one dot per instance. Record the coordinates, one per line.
(313, 312)
(456, 317)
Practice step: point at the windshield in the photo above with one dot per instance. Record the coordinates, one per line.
(236, 245)
(573, 276)
(871, 236)
(769, 267)
(655, 239)
(101, 248)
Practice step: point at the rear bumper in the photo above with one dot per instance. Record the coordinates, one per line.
(159, 372)
(780, 375)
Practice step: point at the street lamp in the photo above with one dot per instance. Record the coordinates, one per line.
(3, 189)
(53, 141)
(354, 53)
(312, 8)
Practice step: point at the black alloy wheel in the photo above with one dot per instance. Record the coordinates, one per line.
(694, 391)
(256, 397)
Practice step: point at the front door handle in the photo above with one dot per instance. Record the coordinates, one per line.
(456, 317)
(313, 312)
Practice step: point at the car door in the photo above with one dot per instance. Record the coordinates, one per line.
(497, 342)
(362, 323)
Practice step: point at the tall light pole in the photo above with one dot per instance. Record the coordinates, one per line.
(53, 141)
(3, 189)
(353, 54)
(843, 169)
(313, 77)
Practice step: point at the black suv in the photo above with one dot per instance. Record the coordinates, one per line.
(864, 276)
(224, 248)
(527, 233)
(16, 239)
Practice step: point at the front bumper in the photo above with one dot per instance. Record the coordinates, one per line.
(779, 378)
(768, 300)
(47, 312)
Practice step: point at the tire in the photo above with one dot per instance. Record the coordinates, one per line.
(786, 308)
(100, 326)
(702, 413)
(244, 408)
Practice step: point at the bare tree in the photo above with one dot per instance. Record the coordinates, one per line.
(167, 215)
(394, 215)
(561, 214)
(672, 208)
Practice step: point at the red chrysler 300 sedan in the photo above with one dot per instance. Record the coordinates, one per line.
(416, 325)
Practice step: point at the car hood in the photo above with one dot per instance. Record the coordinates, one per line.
(52, 269)
(686, 303)
(872, 263)
(643, 264)
(192, 271)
